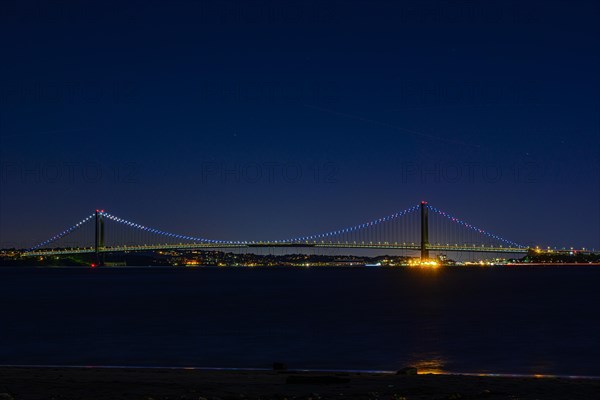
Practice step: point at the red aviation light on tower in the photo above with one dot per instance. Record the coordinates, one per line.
(423, 202)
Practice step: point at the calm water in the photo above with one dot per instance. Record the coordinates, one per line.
(506, 320)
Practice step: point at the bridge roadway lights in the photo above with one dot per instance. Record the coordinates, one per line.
(117, 249)
(281, 245)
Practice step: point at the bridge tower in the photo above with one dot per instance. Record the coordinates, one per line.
(424, 231)
(99, 242)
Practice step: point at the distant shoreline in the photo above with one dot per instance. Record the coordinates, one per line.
(369, 267)
(296, 370)
(93, 383)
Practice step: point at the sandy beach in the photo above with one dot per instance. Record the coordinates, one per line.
(114, 383)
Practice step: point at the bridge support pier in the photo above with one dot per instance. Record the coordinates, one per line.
(424, 231)
(99, 239)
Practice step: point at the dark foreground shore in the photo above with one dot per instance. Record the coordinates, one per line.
(99, 383)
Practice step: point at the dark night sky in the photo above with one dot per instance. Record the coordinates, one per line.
(163, 112)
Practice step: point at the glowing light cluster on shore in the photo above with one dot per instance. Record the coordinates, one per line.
(417, 262)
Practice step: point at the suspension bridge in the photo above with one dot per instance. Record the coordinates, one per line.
(421, 228)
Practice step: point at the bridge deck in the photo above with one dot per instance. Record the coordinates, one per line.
(329, 245)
